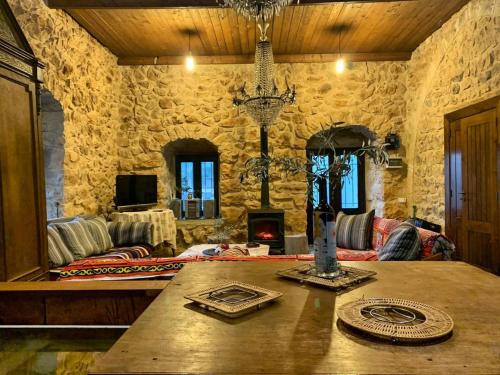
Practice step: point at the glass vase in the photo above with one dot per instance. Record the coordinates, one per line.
(325, 244)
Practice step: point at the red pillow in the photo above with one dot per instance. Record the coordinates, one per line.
(381, 229)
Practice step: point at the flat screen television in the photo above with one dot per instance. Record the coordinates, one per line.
(136, 191)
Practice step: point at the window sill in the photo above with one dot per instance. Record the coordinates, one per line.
(190, 222)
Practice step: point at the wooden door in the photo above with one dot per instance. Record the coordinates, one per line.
(473, 188)
(456, 196)
(22, 213)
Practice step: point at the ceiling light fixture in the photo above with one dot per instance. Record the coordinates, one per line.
(266, 102)
(190, 63)
(340, 64)
(258, 9)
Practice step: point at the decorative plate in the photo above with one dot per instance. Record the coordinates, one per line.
(233, 298)
(396, 319)
(210, 252)
(348, 276)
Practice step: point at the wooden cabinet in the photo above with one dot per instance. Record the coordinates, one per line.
(23, 239)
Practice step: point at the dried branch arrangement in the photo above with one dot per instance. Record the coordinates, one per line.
(259, 168)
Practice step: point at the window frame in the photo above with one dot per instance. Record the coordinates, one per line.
(197, 159)
(336, 194)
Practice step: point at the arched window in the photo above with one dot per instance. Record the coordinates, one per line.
(196, 166)
(350, 195)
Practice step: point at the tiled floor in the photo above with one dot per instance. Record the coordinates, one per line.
(53, 351)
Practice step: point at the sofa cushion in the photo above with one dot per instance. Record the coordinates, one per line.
(130, 233)
(59, 254)
(130, 252)
(99, 231)
(435, 243)
(354, 231)
(78, 239)
(234, 251)
(356, 255)
(403, 244)
(382, 228)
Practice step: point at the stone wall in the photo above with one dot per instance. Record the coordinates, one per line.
(84, 77)
(162, 104)
(119, 119)
(456, 66)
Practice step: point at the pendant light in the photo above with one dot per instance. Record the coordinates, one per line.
(190, 63)
(340, 64)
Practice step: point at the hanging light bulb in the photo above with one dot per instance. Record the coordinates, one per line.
(340, 65)
(190, 63)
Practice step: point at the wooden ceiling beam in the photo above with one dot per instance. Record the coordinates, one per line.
(249, 59)
(164, 4)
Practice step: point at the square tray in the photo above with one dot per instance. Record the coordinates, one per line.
(349, 276)
(233, 298)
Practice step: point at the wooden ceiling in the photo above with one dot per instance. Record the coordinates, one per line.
(137, 31)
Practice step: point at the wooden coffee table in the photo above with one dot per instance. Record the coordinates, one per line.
(299, 333)
(197, 250)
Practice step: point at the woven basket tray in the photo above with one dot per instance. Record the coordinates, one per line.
(395, 319)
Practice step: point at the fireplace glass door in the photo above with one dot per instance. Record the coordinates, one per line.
(267, 230)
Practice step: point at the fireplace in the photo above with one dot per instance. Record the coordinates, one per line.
(267, 226)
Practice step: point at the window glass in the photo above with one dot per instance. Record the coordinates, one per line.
(350, 186)
(198, 174)
(320, 163)
(187, 179)
(207, 181)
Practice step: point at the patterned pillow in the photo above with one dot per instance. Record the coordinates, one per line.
(234, 251)
(354, 231)
(130, 233)
(382, 228)
(403, 244)
(99, 231)
(78, 239)
(59, 254)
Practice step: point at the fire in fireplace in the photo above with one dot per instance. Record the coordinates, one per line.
(266, 230)
(267, 226)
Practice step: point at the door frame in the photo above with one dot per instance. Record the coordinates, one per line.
(471, 110)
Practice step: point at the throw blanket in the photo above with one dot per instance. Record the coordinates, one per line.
(130, 252)
(100, 268)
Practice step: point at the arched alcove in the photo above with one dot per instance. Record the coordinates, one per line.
(52, 116)
(360, 189)
(345, 136)
(193, 170)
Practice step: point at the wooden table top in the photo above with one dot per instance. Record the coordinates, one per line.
(299, 333)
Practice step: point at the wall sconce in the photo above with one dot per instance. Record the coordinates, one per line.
(393, 141)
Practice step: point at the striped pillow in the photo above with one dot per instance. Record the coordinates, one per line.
(130, 233)
(59, 254)
(99, 231)
(78, 239)
(354, 231)
(403, 244)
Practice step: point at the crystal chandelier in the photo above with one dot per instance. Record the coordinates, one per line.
(258, 9)
(267, 102)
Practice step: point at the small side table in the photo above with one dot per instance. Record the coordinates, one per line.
(296, 244)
